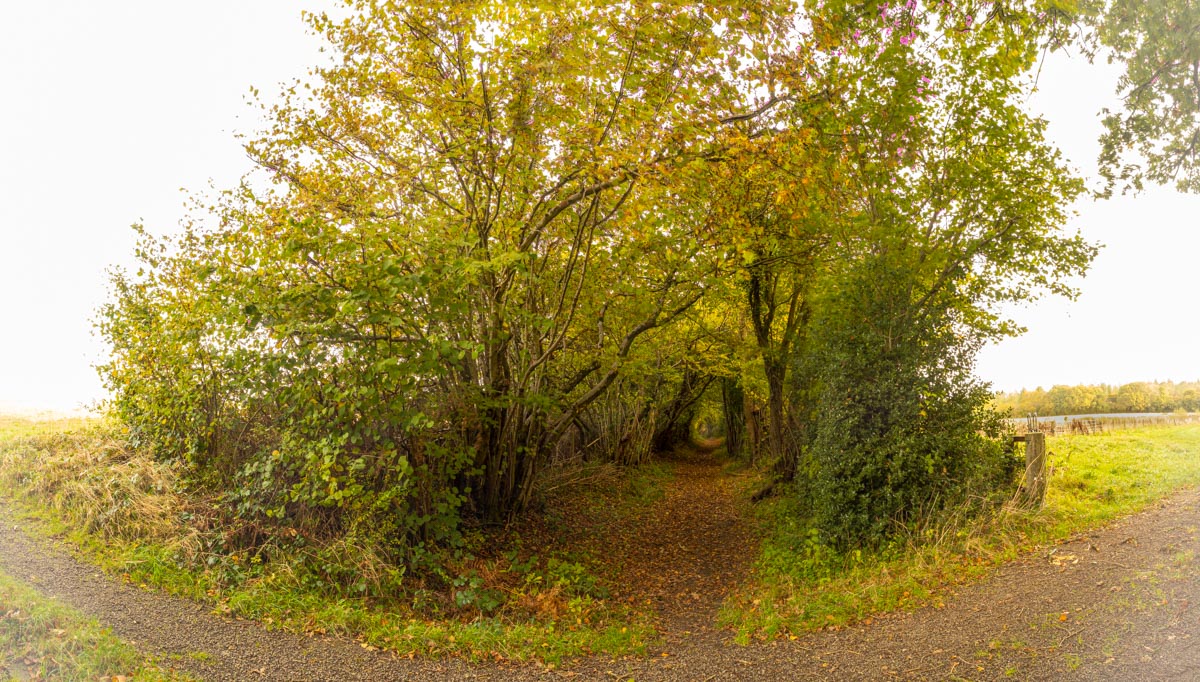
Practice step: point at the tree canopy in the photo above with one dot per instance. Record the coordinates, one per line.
(1139, 396)
(1155, 135)
(500, 236)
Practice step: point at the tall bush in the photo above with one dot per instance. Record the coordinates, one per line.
(900, 427)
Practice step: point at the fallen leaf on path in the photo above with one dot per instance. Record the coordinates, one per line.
(1063, 559)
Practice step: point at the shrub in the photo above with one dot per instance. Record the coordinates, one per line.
(899, 428)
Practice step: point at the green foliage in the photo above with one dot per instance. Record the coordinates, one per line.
(498, 236)
(462, 256)
(802, 583)
(956, 203)
(1155, 134)
(1139, 396)
(573, 578)
(900, 429)
(912, 145)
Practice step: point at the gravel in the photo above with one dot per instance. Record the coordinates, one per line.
(1116, 604)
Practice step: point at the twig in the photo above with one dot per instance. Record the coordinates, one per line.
(1069, 636)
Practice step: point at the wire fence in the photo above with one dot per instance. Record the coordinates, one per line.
(1084, 425)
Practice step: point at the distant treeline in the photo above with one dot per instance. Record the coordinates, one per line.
(1140, 396)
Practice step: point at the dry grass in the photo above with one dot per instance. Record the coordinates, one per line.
(132, 515)
(87, 473)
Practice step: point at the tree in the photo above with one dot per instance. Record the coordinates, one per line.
(1135, 397)
(958, 204)
(512, 154)
(901, 429)
(496, 231)
(1156, 134)
(475, 231)
(775, 208)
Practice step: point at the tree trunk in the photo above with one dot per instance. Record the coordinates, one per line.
(675, 433)
(676, 421)
(754, 439)
(785, 460)
(488, 493)
(733, 401)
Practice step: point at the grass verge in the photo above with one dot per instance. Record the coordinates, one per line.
(41, 639)
(801, 585)
(129, 515)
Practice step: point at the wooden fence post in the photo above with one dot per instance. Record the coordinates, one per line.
(1035, 469)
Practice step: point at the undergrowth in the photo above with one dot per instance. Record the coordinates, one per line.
(801, 584)
(492, 597)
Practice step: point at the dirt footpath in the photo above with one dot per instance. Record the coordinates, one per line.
(1117, 604)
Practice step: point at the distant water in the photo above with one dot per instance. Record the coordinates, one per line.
(1063, 419)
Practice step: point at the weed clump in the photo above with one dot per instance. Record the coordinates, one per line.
(98, 483)
(146, 521)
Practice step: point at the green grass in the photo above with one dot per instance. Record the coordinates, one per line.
(125, 513)
(800, 585)
(582, 626)
(46, 640)
(13, 428)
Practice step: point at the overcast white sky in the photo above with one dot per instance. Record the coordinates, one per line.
(1135, 319)
(109, 110)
